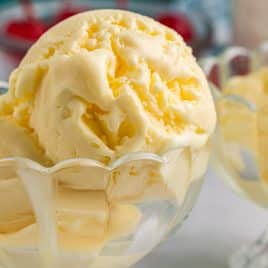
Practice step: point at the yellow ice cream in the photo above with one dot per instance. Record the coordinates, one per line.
(244, 126)
(106, 83)
(100, 85)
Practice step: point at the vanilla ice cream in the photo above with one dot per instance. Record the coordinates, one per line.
(106, 83)
(101, 85)
(243, 123)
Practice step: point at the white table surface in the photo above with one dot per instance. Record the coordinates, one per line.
(220, 223)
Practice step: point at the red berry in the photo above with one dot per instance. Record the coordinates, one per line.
(29, 30)
(214, 75)
(240, 65)
(122, 4)
(180, 23)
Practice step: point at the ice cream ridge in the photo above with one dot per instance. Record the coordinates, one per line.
(103, 85)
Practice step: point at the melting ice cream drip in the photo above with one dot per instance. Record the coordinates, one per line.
(41, 192)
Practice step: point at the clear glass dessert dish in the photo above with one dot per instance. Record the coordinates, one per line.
(240, 139)
(125, 208)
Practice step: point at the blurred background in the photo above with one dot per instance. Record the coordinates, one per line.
(206, 25)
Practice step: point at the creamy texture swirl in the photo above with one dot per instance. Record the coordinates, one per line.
(106, 83)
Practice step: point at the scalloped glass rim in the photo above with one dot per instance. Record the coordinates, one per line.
(255, 62)
(134, 156)
(28, 163)
(247, 181)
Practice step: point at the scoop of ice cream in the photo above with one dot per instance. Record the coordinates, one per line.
(101, 85)
(244, 121)
(106, 83)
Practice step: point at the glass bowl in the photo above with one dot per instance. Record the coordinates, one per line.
(81, 213)
(239, 141)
